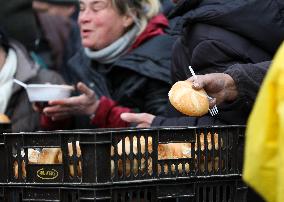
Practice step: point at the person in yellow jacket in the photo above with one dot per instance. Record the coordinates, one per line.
(264, 146)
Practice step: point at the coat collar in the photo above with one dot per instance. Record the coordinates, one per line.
(26, 69)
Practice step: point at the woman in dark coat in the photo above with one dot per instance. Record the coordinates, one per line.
(125, 62)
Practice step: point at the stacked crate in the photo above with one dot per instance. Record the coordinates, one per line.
(124, 165)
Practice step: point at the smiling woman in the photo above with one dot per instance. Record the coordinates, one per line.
(95, 33)
(125, 62)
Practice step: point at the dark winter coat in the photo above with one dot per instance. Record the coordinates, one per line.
(18, 20)
(138, 80)
(19, 109)
(261, 22)
(227, 37)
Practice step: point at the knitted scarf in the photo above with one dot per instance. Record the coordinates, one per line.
(115, 50)
(6, 79)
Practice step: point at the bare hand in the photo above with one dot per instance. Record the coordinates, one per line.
(217, 85)
(84, 104)
(143, 120)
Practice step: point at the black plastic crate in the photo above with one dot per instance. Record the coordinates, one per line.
(100, 161)
(168, 191)
(5, 128)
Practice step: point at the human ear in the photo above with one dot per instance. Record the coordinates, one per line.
(128, 20)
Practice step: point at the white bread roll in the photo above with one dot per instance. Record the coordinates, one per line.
(16, 174)
(188, 100)
(4, 119)
(49, 156)
(70, 153)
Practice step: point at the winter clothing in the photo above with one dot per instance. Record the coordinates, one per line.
(154, 28)
(7, 73)
(139, 80)
(18, 20)
(109, 106)
(218, 37)
(55, 34)
(264, 154)
(115, 50)
(259, 22)
(19, 109)
(167, 6)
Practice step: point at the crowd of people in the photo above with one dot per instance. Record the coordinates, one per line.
(123, 56)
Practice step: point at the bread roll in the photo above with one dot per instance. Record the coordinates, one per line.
(33, 156)
(49, 156)
(167, 151)
(188, 100)
(71, 166)
(135, 151)
(4, 119)
(15, 166)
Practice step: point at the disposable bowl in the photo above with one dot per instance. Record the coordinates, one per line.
(47, 92)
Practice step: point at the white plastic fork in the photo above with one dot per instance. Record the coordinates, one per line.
(214, 110)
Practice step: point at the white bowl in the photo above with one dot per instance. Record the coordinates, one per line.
(47, 92)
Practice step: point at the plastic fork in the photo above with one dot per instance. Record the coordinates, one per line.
(214, 110)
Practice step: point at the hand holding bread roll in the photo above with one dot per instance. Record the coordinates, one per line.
(188, 100)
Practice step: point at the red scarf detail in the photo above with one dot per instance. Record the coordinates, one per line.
(154, 27)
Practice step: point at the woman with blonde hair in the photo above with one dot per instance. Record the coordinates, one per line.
(125, 61)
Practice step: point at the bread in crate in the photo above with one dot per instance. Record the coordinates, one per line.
(165, 151)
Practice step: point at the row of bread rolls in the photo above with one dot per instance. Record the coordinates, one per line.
(165, 151)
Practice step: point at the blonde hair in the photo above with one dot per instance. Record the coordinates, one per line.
(141, 10)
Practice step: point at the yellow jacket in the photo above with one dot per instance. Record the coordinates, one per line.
(264, 146)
